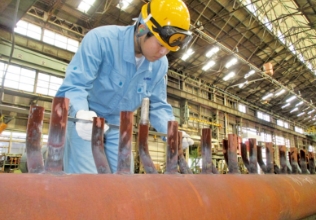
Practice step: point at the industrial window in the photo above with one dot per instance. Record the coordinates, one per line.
(242, 108)
(18, 77)
(286, 125)
(279, 140)
(60, 41)
(298, 130)
(47, 84)
(28, 29)
(280, 123)
(263, 116)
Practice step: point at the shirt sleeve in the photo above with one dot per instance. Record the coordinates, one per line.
(81, 72)
(160, 111)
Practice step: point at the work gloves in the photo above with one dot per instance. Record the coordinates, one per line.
(186, 140)
(84, 129)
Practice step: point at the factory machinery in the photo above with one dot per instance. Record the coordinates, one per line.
(48, 193)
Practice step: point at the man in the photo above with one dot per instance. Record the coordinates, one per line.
(116, 67)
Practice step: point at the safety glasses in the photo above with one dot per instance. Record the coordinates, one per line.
(173, 36)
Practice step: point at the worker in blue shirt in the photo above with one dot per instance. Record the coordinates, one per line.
(116, 67)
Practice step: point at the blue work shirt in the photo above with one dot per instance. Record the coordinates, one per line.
(103, 77)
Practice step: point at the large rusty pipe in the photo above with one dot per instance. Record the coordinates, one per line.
(172, 148)
(303, 163)
(172, 197)
(125, 143)
(97, 145)
(282, 154)
(253, 156)
(35, 163)
(57, 133)
(232, 153)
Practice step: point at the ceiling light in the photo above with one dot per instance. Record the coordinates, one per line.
(242, 84)
(208, 65)
(251, 72)
(212, 51)
(85, 5)
(300, 114)
(291, 99)
(123, 4)
(280, 92)
(228, 76)
(286, 105)
(231, 62)
(267, 96)
(187, 54)
(310, 112)
(300, 103)
(294, 110)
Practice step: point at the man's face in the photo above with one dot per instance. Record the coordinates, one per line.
(152, 49)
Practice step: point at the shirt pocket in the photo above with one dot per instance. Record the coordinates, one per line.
(143, 89)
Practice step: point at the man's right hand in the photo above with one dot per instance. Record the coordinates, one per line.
(83, 129)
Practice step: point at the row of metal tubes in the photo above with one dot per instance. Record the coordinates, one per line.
(255, 157)
(56, 140)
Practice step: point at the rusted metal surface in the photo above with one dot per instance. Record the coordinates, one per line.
(283, 165)
(57, 133)
(97, 145)
(125, 143)
(232, 153)
(303, 163)
(206, 144)
(253, 168)
(293, 160)
(144, 155)
(183, 166)
(244, 148)
(269, 156)
(35, 163)
(90, 196)
(172, 148)
(250, 147)
(311, 162)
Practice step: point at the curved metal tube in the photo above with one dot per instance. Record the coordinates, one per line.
(161, 196)
(35, 163)
(97, 145)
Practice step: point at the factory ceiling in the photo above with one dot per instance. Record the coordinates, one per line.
(255, 32)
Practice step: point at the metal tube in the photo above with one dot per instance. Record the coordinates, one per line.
(244, 154)
(303, 163)
(311, 162)
(206, 143)
(142, 139)
(183, 166)
(35, 163)
(171, 197)
(97, 145)
(125, 143)
(144, 155)
(260, 160)
(172, 148)
(253, 155)
(269, 156)
(283, 165)
(293, 160)
(57, 133)
(232, 154)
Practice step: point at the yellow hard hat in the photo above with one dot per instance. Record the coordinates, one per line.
(169, 22)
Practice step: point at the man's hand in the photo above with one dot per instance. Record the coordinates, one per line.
(186, 140)
(84, 129)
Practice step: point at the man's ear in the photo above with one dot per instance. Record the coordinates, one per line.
(141, 30)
